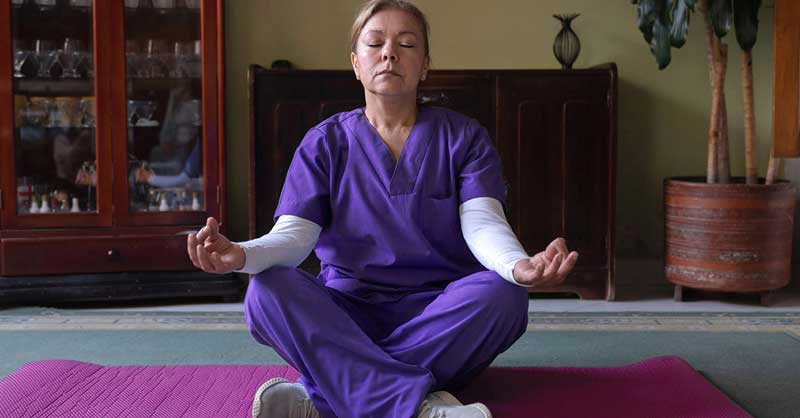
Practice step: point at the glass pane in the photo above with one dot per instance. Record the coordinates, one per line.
(54, 106)
(165, 149)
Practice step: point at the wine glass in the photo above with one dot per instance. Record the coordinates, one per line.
(20, 55)
(45, 5)
(45, 54)
(68, 56)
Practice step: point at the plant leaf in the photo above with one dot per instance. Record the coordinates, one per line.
(661, 45)
(680, 23)
(648, 11)
(745, 18)
(721, 13)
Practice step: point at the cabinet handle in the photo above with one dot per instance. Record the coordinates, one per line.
(112, 253)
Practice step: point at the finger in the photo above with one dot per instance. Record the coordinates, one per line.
(214, 225)
(568, 263)
(206, 232)
(561, 246)
(552, 268)
(555, 248)
(191, 244)
(202, 257)
(533, 275)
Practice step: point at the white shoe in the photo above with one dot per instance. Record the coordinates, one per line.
(280, 398)
(444, 405)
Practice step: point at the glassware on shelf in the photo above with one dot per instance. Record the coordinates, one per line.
(88, 111)
(25, 62)
(45, 54)
(192, 4)
(154, 66)
(133, 59)
(17, 3)
(82, 5)
(163, 6)
(45, 5)
(67, 57)
(37, 112)
(66, 112)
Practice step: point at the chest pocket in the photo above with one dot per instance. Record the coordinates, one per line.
(438, 218)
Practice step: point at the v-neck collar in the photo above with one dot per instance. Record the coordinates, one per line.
(401, 176)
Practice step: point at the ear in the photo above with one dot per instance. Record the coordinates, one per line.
(425, 67)
(354, 63)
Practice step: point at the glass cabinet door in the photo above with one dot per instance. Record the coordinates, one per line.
(55, 135)
(163, 79)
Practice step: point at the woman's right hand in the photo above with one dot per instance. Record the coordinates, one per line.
(212, 252)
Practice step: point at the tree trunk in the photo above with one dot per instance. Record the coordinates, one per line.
(723, 156)
(773, 167)
(714, 125)
(748, 110)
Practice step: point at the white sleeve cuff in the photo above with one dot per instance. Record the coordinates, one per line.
(288, 243)
(489, 236)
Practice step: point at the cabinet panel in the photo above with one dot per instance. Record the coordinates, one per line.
(555, 145)
(786, 79)
(94, 254)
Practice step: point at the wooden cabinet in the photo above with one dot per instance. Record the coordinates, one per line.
(786, 79)
(112, 147)
(555, 131)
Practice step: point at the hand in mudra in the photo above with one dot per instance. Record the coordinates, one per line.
(213, 252)
(547, 268)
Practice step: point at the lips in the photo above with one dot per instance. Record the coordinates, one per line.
(389, 72)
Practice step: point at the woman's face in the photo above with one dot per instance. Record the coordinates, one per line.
(390, 57)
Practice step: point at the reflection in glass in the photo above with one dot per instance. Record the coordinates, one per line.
(165, 141)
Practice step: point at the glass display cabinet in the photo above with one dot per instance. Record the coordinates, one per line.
(112, 145)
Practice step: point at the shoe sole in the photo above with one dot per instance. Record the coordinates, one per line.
(483, 409)
(257, 398)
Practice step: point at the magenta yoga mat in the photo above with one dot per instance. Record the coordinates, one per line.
(661, 387)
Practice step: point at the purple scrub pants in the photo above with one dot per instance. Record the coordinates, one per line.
(364, 359)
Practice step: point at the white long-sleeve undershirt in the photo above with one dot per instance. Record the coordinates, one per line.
(483, 225)
(288, 243)
(489, 236)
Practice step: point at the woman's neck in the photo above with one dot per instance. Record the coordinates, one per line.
(386, 115)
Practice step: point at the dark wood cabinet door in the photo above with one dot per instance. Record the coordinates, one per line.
(555, 149)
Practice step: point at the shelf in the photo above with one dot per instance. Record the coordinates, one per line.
(54, 87)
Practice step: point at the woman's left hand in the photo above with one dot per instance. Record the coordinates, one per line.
(548, 268)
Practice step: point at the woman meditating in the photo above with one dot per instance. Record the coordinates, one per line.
(422, 281)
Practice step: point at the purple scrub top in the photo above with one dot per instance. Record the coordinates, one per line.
(391, 228)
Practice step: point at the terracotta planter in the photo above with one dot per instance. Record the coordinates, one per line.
(728, 237)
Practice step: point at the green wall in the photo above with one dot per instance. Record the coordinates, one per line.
(663, 115)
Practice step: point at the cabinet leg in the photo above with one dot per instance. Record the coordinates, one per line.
(678, 295)
(767, 297)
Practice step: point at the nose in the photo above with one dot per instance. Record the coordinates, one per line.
(389, 53)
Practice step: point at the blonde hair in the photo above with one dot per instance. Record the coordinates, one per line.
(372, 7)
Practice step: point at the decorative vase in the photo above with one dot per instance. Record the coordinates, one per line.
(566, 45)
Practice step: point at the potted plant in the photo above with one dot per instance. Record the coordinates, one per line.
(721, 233)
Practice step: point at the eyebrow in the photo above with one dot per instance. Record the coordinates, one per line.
(405, 32)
